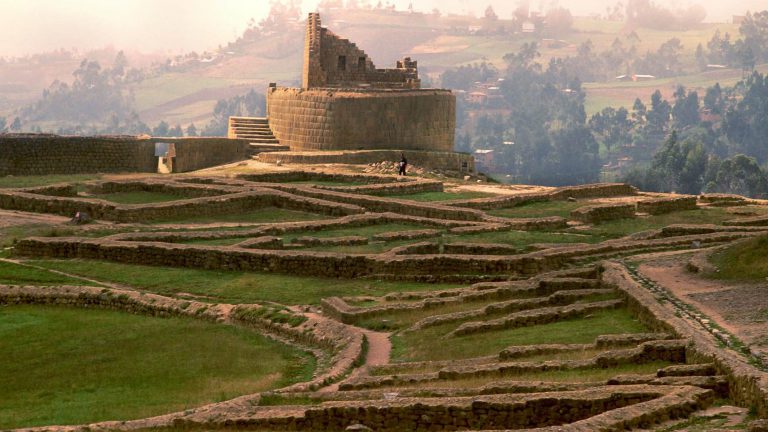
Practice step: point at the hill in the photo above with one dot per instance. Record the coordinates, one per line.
(185, 90)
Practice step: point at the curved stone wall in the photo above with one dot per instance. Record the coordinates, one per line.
(327, 119)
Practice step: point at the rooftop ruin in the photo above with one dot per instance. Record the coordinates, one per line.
(331, 61)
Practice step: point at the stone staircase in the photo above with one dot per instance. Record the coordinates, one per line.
(257, 131)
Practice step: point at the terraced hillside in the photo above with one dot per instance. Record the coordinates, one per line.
(391, 304)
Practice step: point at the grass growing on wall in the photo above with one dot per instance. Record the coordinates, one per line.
(441, 196)
(429, 343)
(69, 366)
(262, 215)
(746, 260)
(139, 197)
(232, 286)
(43, 180)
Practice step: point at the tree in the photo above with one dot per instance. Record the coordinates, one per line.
(740, 175)
(490, 14)
(175, 131)
(16, 125)
(191, 130)
(686, 109)
(3, 124)
(161, 130)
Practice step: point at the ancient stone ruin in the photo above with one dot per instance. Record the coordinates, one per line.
(347, 104)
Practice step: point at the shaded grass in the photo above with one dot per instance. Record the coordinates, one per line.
(539, 209)
(364, 231)
(139, 197)
(15, 274)
(263, 215)
(232, 286)
(522, 239)
(43, 180)
(745, 260)
(430, 343)
(560, 376)
(68, 366)
(441, 196)
(623, 227)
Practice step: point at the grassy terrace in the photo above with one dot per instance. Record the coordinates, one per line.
(104, 365)
(539, 209)
(139, 197)
(430, 343)
(33, 181)
(231, 286)
(523, 239)
(262, 215)
(441, 196)
(745, 261)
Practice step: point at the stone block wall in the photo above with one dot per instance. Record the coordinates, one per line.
(53, 154)
(603, 212)
(198, 153)
(42, 154)
(666, 205)
(331, 61)
(323, 119)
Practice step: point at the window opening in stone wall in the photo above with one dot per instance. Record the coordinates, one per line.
(342, 62)
(361, 64)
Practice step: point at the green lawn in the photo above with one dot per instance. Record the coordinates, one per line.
(43, 180)
(522, 239)
(430, 343)
(540, 209)
(745, 260)
(233, 286)
(68, 366)
(365, 231)
(441, 196)
(262, 215)
(15, 274)
(139, 197)
(623, 227)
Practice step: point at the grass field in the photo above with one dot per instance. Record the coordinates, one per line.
(232, 286)
(32, 181)
(429, 344)
(746, 260)
(15, 274)
(139, 197)
(69, 366)
(441, 196)
(262, 215)
(540, 209)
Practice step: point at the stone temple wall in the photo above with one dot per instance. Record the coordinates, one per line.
(323, 119)
(39, 154)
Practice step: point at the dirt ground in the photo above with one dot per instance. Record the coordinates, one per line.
(740, 308)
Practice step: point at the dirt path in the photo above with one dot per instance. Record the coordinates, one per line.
(13, 217)
(741, 309)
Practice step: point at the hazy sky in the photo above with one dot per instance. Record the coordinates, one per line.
(28, 26)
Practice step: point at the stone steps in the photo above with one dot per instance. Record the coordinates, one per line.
(257, 131)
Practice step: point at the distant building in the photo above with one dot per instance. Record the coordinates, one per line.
(635, 77)
(484, 160)
(529, 27)
(476, 97)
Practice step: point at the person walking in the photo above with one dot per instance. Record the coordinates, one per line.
(403, 164)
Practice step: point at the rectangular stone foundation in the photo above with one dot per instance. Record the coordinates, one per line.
(444, 161)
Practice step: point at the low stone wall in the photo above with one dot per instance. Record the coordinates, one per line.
(603, 212)
(597, 190)
(723, 200)
(748, 385)
(659, 206)
(212, 205)
(439, 160)
(42, 154)
(487, 412)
